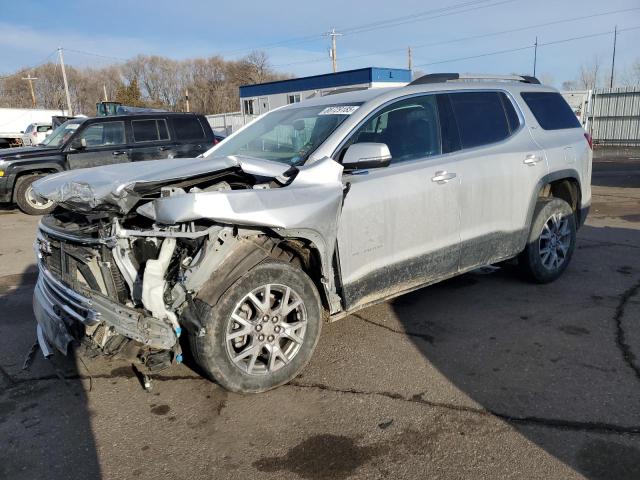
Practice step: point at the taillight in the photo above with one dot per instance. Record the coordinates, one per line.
(589, 140)
(215, 141)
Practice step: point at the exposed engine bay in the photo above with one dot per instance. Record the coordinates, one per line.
(123, 258)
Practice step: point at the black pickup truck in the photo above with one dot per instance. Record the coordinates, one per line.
(89, 142)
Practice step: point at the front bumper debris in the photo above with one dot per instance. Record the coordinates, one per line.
(60, 311)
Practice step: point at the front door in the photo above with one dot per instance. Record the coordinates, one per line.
(399, 227)
(102, 143)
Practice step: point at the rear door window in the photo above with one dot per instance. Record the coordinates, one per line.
(481, 118)
(149, 130)
(551, 110)
(188, 128)
(448, 125)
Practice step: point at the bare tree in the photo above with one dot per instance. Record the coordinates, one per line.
(590, 74)
(145, 80)
(631, 76)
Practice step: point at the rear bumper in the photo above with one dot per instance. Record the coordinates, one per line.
(583, 213)
(63, 315)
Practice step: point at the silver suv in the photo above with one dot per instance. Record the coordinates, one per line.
(309, 213)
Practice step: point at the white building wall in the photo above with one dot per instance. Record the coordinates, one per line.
(269, 102)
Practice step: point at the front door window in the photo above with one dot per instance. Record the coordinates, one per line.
(409, 128)
(103, 134)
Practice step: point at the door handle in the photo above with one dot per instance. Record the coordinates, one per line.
(443, 176)
(531, 159)
(117, 153)
(162, 149)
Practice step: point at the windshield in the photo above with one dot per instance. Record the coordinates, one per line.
(62, 133)
(289, 135)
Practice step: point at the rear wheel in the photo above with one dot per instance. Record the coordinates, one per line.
(27, 200)
(263, 330)
(551, 241)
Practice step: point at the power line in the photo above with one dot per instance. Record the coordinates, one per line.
(545, 44)
(120, 59)
(392, 22)
(36, 65)
(463, 39)
(429, 15)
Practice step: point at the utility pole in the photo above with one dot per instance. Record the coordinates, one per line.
(186, 97)
(410, 55)
(334, 53)
(613, 58)
(535, 56)
(104, 89)
(66, 84)
(30, 79)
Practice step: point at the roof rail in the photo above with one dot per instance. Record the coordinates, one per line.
(446, 77)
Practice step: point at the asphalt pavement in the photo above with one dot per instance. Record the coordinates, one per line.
(482, 376)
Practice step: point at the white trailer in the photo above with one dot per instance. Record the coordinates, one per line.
(14, 121)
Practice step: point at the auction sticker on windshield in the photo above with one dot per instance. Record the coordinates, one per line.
(339, 110)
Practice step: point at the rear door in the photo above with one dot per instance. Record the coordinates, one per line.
(105, 143)
(151, 139)
(190, 136)
(500, 167)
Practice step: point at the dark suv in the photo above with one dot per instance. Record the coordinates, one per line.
(82, 143)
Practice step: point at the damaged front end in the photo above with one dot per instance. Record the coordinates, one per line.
(123, 258)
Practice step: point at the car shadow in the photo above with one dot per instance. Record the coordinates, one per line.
(549, 360)
(45, 419)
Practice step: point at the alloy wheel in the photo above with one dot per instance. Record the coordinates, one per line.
(266, 329)
(554, 241)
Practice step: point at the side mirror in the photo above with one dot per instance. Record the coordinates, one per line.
(78, 143)
(366, 155)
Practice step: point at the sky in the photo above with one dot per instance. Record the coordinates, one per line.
(291, 33)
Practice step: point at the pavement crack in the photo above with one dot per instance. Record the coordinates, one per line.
(533, 421)
(627, 354)
(600, 243)
(424, 336)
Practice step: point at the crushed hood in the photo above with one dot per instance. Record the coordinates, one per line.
(123, 185)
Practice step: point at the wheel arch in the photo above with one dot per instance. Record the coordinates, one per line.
(564, 184)
(22, 173)
(246, 254)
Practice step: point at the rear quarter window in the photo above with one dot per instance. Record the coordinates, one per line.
(551, 110)
(188, 128)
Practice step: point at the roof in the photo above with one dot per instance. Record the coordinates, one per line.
(386, 94)
(138, 116)
(329, 80)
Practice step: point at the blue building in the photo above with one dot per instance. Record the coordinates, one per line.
(262, 97)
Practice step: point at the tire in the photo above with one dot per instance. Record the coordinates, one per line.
(259, 334)
(551, 241)
(26, 201)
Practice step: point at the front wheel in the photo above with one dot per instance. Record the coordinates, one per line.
(263, 330)
(551, 241)
(27, 200)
